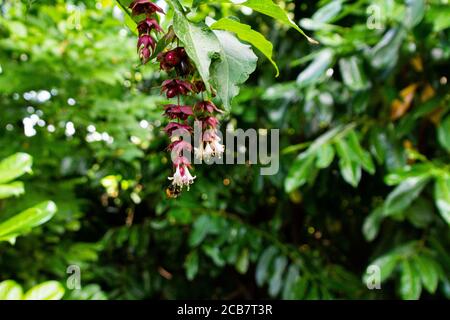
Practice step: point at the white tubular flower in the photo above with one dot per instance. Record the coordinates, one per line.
(187, 178)
(198, 152)
(177, 178)
(218, 148)
(208, 152)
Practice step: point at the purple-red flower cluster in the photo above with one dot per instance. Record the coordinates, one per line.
(146, 43)
(182, 85)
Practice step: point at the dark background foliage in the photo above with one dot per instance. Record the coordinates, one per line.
(73, 97)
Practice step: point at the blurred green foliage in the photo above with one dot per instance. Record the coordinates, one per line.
(364, 177)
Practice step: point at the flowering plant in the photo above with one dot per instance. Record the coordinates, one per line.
(203, 61)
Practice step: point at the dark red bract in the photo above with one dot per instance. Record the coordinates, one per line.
(139, 7)
(174, 111)
(175, 126)
(145, 43)
(147, 25)
(206, 106)
(179, 146)
(210, 122)
(173, 59)
(176, 87)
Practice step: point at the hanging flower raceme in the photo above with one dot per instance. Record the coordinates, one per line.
(146, 43)
(183, 86)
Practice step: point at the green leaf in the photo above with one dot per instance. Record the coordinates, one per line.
(358, 154)
(299, 172)
(437, 15)
(214, 254)
(410, 283)
(325, 156)
(200, 44)
(387, 264)
(247, 34)
(316, 69)
(291, 280)
(378, 142)
(191, 265)
(232, 68)
(350, 169)
(372, 223)
(328, 12)
(404, 194)
(385, 54)
(25, 221)
(415, 11)
(353, 74)
(428, 271)
(15, 166)
(416, 171)
(444, 133)
(273, 10)
(200, 230)
(276, 281)
(10, 290)
(262, 268)
(242, 262)
(442, 196)
(130, 21)
(351, 172)
(12, 189)
(50, 290)
(420, 213)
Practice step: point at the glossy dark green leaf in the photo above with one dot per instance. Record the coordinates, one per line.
(404, 194)
(325, 156)
(442, 196)
(290, 281)
(316, 69)
(385, 53)
(328, 12)
(358, 154)
(387, 264)
(276, 280)
(350, 169)
(444, 133)
(428, 271)
(372, 223)
(299, 173)
(263, 266)
(415, 11)
(242, 262)
(191, 265)
(410, 281)
(352, 73)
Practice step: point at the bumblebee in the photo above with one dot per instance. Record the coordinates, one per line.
(173, 191)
